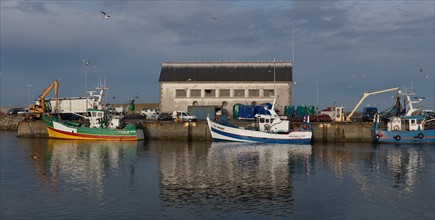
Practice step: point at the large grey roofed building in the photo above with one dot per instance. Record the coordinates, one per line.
(184, 84)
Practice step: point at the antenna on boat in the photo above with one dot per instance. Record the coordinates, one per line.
(274, 78)
(293, 56)
(293, 47)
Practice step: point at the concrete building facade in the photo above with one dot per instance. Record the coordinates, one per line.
(224, 84)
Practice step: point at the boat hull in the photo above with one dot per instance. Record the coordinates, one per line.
(422, 136)
(61, 131)
(226, 133)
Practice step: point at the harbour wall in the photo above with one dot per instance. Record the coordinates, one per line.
(10, 122)
(154, 130)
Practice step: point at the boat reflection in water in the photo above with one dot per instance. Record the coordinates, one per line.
(175, 179)
(378, 171)
(82, 166)
(405, 164)
(233, 176)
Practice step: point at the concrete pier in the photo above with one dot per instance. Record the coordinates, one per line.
(154, 130)
(32, 129)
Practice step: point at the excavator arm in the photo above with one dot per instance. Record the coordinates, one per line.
(41, 98)
(365, 95)
(41, 107)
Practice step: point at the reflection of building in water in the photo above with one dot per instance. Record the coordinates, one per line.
(80, 165)
(230, 173)
(366, 164)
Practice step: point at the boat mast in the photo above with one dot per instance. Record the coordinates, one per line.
(293, 48)
(293, 60)
(274, 79)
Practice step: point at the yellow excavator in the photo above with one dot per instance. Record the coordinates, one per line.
(42, 105)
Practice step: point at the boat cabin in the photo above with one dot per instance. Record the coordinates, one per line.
(335, 113)
(269, 123)
(406, 123)
(103, 119)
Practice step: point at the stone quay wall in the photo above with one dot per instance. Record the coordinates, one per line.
(155, 130)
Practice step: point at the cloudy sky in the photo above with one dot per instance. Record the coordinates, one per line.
(342, 47)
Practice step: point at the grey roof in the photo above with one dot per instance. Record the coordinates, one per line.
(225, 71)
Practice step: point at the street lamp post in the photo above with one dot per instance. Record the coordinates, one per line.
(317, 98)
(85, 64)
(274, 79)
(0, 91)
(28, 94)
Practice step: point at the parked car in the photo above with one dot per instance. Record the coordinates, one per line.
(14, 111)
(149, 112)
(369, 113)
(183, 116)
(164, 116)
(23, 111)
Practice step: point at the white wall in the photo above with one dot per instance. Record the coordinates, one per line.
(169, 103)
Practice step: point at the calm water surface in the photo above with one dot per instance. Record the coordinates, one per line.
(57, 179)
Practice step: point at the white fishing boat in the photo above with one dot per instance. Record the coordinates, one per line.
(268, 128)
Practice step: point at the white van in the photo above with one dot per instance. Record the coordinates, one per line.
(183, 116)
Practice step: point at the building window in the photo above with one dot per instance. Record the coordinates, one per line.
(269, 93)
(209, 93)
(239, 93)
(224, 93)
(195, 103)
(180, 93)
(254, 93)
(195, 93)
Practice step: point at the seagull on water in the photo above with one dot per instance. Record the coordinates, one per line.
(214, 18)
(105, 15)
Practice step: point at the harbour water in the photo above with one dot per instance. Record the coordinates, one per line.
(58, 179)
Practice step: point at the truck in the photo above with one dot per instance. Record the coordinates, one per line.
(79, 105)
(183, 116)
(332, 113)
(368, 113)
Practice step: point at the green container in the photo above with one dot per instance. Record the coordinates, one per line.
(289, 110)
(310, 110)
(236, 110)
(300, 111)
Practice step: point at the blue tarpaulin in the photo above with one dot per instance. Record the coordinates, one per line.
(261, 109)
(246, 111)
(249, 111)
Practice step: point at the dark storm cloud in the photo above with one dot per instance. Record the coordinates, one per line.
(319, 16)
(333, 40)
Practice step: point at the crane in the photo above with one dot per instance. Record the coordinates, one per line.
(365, 95)
(43, 106)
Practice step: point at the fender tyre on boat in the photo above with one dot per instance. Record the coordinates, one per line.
(397, 137)
(420, 136)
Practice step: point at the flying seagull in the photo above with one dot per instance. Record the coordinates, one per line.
(105, 15)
